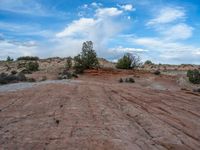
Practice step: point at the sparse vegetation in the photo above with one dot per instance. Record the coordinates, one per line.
(66, 74)
(157, 72)
(87, 59)
(30, 58)
(9, 59)
(68, 64)
(131, 80)
(32, 66)
(121, 80)
(10, 78)
(13, 72)
(127, 80)
(194, 76)
(148, 62)
(128, 61)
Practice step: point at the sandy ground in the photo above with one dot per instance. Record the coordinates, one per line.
(100, 113)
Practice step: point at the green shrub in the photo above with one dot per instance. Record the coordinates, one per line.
(68, 64)
(31, 80)
(32, 66)
(9, 59)
(28, 58)
(21, 76)
(131, 80)
(148, 62)
(121, 80)
(87, 59)
(13, 72)
(194, 76)
(157, 72)
(189, 73)
(128, 61)
(78, 64)
(10, 78)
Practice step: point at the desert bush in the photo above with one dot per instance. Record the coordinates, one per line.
(128, 61)
(9, 59)
(87, 59)
(21, 65)
(13, 72)
(21, 77)
(148, 62)
(28, 58)
(2, 78)
(66, 74)
(121, 80)
(74, 75)
(31, 80)
(157, 72)
(189, 73)
(68, 64)
(194, 76)
(32, 66)
(10, 78)
(131, 80)
(78, 64)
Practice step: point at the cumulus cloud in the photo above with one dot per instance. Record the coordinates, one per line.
(103, 26)
(127, 7)
(78, 28)
(167, 15)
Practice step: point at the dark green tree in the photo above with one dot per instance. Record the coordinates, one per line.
(194, 76)
(128, 61)
(9, 59)
(87, 59)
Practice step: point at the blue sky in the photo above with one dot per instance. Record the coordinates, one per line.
(160, 30)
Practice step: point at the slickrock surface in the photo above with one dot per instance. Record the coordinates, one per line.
(100, 113)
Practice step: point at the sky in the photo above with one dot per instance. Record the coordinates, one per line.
(164, 31)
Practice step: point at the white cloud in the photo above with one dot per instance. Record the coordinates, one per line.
(121, 49)
(167, 15)
(169, 52)
(103, 26)
(16, 49)
(108, 12)
(33, 8)
(25, 29)
(78, 28)
(94, 4)
(127, 7)
(179, 31)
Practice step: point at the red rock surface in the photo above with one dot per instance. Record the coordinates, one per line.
(100, 113)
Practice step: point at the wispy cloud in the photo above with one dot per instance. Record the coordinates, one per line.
(33, 8)
(169, 51)
(121, 49)
(167, 15)
(17, 48)
(180, 31)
